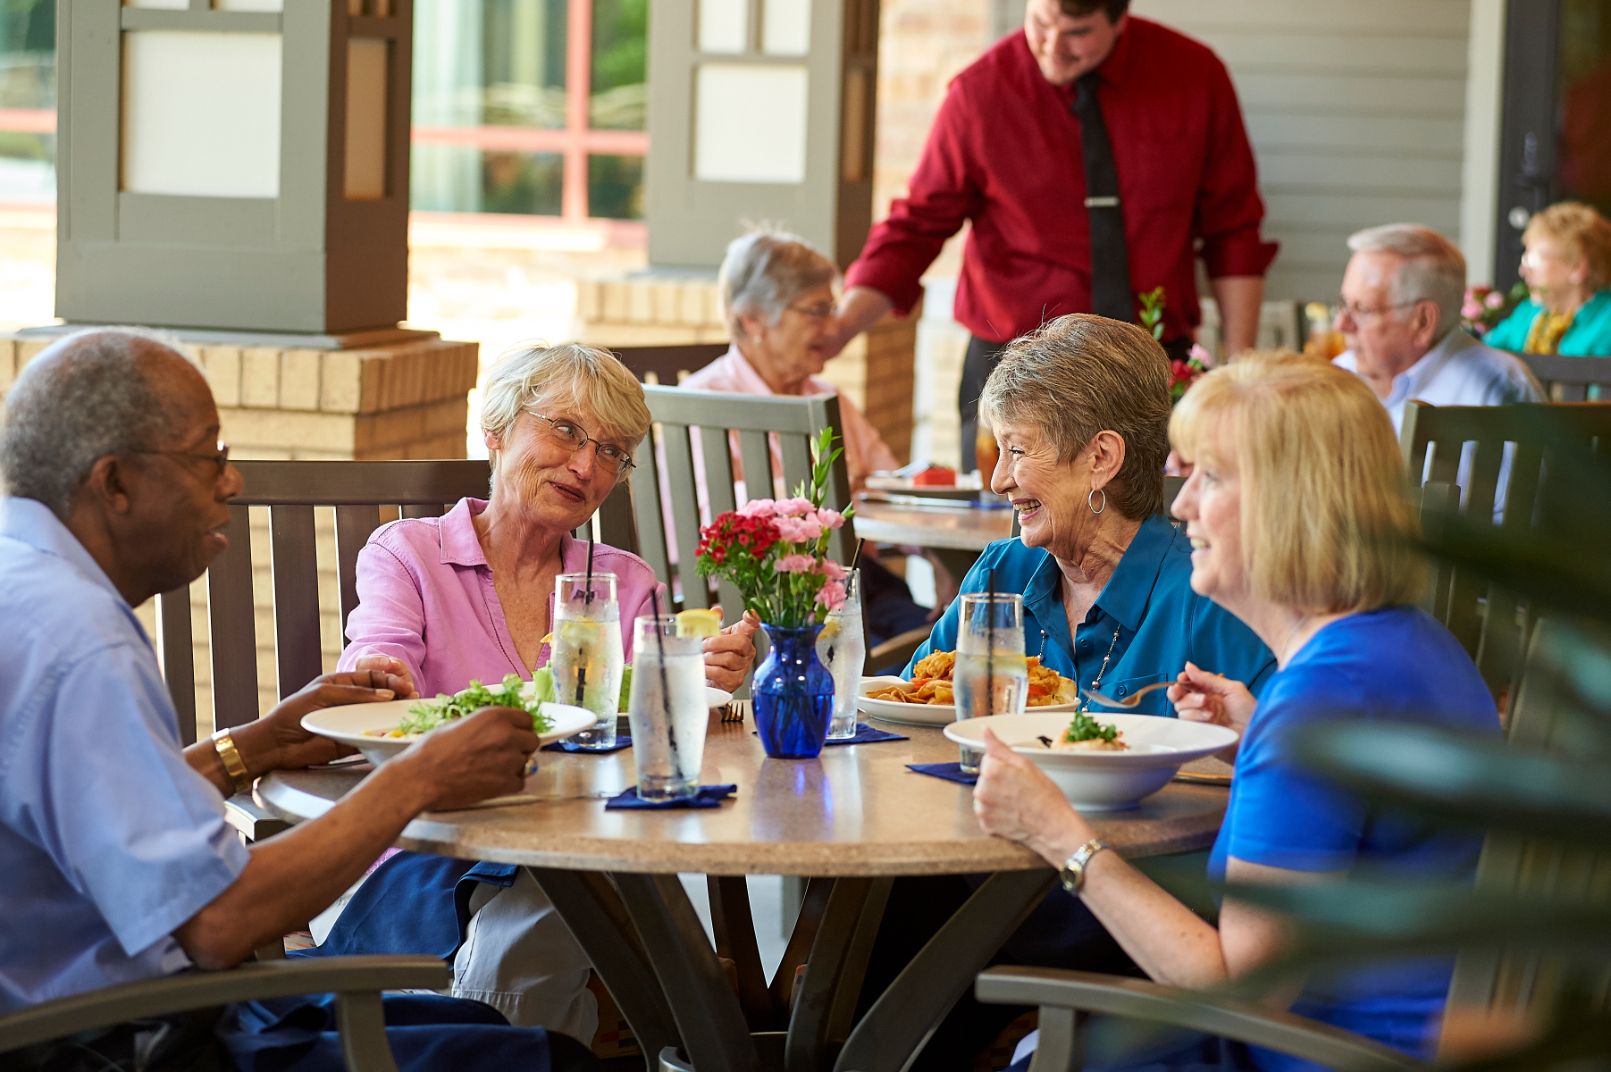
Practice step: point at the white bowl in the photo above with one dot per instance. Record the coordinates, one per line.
(1103, 781)
(916, 714)
(348, 724)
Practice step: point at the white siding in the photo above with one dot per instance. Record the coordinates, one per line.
(1356, 111)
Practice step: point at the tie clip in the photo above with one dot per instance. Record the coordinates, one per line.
(1101, 202)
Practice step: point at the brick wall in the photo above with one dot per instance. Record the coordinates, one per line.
(406, 400)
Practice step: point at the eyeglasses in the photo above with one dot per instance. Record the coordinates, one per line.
(1361, 312)
(568, 434)
(820, 311)
(219, 457)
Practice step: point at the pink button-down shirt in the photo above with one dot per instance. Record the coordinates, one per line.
(425, 596)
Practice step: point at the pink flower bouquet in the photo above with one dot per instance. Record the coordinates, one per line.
(774, 551)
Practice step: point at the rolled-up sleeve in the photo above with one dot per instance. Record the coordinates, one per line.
(1229, 209)
(390, 616)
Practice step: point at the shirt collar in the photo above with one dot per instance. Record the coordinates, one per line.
(1407, 383)
(746, 380)
(1129, 590)
(460, 545)
(1116, 67)
(30, 522)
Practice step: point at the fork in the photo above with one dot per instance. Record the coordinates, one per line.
(1127, 701)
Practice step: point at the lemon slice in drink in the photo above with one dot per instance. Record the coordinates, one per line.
(580, 631)
(698, 623)
(830, 629)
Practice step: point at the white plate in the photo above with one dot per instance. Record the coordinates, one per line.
(914, 714)
(967, 486)
(1103, 781)
(348, 723)
(714, 697)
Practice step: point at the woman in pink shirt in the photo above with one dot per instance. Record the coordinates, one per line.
(470, 595)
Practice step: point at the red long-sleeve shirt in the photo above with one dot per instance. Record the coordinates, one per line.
(1004, 152)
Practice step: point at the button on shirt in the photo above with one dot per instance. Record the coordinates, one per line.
(108, 840)
(1148, 615)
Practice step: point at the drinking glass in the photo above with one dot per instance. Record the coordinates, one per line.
(586, 654)
(667, 709)
(992, 674)
(842, 647)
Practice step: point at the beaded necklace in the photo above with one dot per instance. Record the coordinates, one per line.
(1097, 680)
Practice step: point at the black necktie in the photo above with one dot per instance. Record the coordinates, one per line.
(1110, 260)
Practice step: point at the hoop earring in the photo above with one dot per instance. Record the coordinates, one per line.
(1092, 494)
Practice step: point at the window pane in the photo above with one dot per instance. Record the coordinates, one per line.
(458, 178)
(28, 54)
(489, 63)
(615, 187)
(620, 46)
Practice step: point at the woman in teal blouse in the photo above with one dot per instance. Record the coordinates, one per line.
(1080, 409)
(1567, 269)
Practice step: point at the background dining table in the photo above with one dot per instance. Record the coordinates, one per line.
(852, 820)
(954, 530)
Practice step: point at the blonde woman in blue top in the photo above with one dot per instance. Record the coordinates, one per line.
(1298, 478)
(1567, 269)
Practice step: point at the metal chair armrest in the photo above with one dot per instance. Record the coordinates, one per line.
(1060, 994)
(351, 978)
(251, 820)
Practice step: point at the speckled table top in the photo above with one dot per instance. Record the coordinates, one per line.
(856, 810)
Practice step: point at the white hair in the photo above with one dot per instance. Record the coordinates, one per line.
(1433, 268)
(764, 271)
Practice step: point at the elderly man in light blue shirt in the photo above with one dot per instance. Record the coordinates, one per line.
(118, 863)
(1400, 310)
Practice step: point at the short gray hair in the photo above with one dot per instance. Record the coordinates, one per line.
(1081, 374)
(1434, 269)
(567, 374)
(764, 270)
(83, 397)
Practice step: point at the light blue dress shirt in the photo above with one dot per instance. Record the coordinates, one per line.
(108, 840)
(1147, 616)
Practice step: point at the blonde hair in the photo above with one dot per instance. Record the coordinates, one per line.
(1583, 231)
(1326, 518)
(764, 271)
(569, 374)
(1081, 374)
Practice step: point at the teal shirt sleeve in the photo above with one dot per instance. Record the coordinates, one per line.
(1511, 332)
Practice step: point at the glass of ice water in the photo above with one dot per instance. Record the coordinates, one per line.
(667, 709)
(842, 647)
(586, 653)
(991, 675)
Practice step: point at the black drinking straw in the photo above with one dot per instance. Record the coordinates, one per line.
(581, 654)
(665, 688)
(855, 556)
(990, 641)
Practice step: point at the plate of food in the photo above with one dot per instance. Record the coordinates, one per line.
(1103, 762)
(381, 730)
(934, 481)
(927, 699)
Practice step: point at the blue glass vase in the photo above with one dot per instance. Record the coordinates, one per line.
(793, 695)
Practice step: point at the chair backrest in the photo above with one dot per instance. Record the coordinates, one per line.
(1525, 978)
(1571, 379)
(1442, 445)
(689, 456)
(362, 495)
(668, 364)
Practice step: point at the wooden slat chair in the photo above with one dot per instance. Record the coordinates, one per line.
(1571, 379)
(357, 983)
(362, 494)
(669, 457)
(668, 364)
(1504, 989)
(1465, 447)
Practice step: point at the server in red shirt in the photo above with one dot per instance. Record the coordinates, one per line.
(1095, 154)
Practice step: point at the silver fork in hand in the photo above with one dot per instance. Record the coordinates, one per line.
(1127, 701)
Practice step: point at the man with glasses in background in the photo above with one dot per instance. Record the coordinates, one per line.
(1400, 312)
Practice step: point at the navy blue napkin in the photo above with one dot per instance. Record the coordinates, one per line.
(866, 734)
(709, 796)
(951, 772)
(622, 740)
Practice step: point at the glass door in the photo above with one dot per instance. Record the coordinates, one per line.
(1555, 140)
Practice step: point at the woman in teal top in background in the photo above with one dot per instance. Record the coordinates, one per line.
(1567, 269)
(1081, 409)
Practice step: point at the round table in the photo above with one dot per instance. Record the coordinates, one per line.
(852, 820)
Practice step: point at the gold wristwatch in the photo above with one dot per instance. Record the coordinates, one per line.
(230, 757)
(1072, 873)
